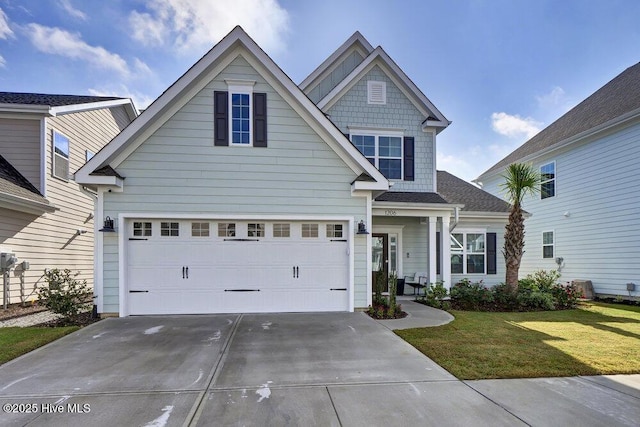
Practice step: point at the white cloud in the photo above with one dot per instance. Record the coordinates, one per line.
(3, 62)
(5, 30)
(56, 41)
(514, 126)
(140, 100)
(72, 11)
(196, 24)
(556, 97)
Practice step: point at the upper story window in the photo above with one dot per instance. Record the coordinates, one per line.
(60, 158)
(376, 92)
(468, 253)
(383, 151)
(548, 180)
(240, 118)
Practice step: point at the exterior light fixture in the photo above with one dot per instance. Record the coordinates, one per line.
(362, 228)
(108, 226)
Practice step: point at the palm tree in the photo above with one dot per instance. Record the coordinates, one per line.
(520, 179)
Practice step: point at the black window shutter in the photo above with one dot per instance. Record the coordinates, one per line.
(438, 252)
(409, 154)
(220, 117)
(491, 254)
(259, 119)
(346, 135)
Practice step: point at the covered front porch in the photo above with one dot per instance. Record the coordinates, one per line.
(412, 239)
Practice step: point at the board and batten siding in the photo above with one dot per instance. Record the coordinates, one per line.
(179, 170)
(20, 146)
(595, 215)
(352, 110)
(51, 240)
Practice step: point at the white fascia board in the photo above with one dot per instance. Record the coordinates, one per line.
(576, 139)
(89, 106)
(484, 215)
(398, 77)
(25, 108)
(332, 61)
(99, 180)
(21, 204)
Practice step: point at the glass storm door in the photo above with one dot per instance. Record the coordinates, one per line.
(380, 260)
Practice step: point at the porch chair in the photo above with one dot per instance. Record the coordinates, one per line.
(418, 281)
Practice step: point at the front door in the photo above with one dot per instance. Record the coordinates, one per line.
(380, 261)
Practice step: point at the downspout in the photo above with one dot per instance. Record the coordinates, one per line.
(456, 219)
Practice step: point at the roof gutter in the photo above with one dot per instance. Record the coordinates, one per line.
(22, 204)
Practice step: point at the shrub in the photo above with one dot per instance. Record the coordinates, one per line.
(504, 299)
(434, 296)
(65, 295)
(468, 295)
(535, 300)
(566, 296)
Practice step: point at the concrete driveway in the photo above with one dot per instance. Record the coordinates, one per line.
(269, 370)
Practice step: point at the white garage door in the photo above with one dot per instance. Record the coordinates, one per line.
(199, 266)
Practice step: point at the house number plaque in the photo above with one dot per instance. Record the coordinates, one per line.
(390, 212)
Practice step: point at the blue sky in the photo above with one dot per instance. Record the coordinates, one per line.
(500, 70)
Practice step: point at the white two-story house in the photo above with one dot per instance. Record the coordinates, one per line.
(585, 221)
(239, 191)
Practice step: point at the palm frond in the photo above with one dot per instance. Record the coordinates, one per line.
(520, 179)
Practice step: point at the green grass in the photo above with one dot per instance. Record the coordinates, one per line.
(15, 342)
(595, 339)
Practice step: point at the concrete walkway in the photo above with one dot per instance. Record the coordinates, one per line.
(419, 316)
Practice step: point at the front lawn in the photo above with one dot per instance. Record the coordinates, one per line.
(15, 342)
(594, 339)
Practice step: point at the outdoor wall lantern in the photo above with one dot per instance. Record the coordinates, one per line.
(108, 226)
(362, 228)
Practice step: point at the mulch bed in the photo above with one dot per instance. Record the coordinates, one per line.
(17, 310)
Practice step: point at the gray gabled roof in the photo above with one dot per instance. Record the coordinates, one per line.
(49, 99)
(457, 191)
(15, 184)
(410, 197)
(615, 99)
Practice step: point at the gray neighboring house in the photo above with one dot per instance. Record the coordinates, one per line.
(46, 218)
(240, 191)
(586, 221)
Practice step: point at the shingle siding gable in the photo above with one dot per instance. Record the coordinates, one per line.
(352, 110)
(335, 77)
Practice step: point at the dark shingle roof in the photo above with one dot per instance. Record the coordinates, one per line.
(106, 171)
(410, 197)
(14, 183)
(618, 97)
(50, 100)
(458, 191)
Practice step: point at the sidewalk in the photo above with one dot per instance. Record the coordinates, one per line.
(419, 315)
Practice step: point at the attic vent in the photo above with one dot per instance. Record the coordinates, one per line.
(377, 92)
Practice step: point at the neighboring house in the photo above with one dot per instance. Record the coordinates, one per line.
(586, 219)
(46, 218)
(236, 192)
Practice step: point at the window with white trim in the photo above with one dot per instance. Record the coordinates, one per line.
(468, 253)
(241, 111)
(281, 230)
(170, 229)
(309, 230)
(548, 180)
(334, 231)
(200, 229)
(226, 229)
(60, 156)
(142, 229)
(383, 151)
(548, 243)
(255, 230)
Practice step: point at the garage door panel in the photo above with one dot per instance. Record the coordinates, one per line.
(189, 275)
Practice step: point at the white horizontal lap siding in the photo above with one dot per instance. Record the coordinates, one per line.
(20, 146)
(182, 172)
(597, 185)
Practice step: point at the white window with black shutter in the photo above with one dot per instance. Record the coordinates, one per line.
(388, 150)
(473, 252)
(240, 115)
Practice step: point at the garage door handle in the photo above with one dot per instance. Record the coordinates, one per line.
(138, 292)
(338, 289)
(187, 272)
(242, 290)
(183, 272)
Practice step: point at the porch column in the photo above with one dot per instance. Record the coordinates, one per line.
(445, 241)
(432, 249)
